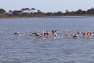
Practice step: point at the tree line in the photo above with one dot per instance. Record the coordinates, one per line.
(27, 12)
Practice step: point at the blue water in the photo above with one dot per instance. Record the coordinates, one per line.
(23, 48)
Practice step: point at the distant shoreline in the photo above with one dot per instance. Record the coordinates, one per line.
(45, 16)
(29, 13)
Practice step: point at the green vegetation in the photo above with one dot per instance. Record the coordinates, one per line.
(27, 12)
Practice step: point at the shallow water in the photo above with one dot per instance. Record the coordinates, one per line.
(23, 48)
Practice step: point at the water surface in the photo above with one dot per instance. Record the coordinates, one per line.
(24, 48)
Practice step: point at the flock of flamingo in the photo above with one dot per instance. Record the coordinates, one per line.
(66, 33)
